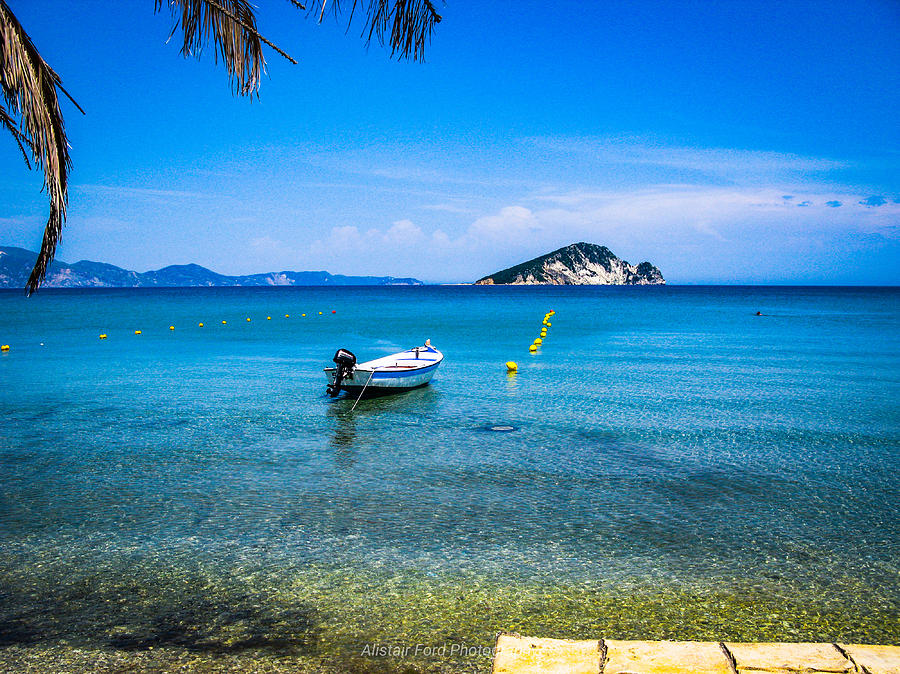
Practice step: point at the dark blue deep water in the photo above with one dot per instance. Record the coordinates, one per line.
(678, 468)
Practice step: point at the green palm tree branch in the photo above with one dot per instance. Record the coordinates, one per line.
(405, 25)
(29, 89)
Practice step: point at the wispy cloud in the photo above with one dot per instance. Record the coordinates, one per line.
(143, 192)
(684, 229)
(445, 212)
(449, 208)
(729, 163)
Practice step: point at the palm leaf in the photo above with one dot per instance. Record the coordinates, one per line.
(29, 88)
(29, 84)
(231, 26)
(8, 123)
(405, 25)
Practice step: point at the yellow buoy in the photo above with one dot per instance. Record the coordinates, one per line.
(511, 366)
(538, 341)
(200, 325)
(103, 336)
(137, 332)
(171, 327)
(4, 347)
(268, 318)
(287, 315)
(224, 322)
(248, 320)
(303, 315)
(549, 324)
(320, 313)
(532, 348)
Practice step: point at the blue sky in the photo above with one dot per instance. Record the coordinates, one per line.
(727, 142)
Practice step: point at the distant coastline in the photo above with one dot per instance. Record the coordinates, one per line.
(16, 263)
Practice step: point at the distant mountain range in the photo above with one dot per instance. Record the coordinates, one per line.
(16, 264)
(577, 264)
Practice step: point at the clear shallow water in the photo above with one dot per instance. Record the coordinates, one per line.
(678, 468)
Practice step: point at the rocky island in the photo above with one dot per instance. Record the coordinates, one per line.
(577, 264)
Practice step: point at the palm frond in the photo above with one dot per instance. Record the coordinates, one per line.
(231, 26)
(8, 123)
(29, 88)
(405, 25)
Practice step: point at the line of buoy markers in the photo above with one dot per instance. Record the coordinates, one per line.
(511, 365)
(5, 347)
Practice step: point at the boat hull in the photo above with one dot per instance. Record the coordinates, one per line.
(376, 391)
(392, 374)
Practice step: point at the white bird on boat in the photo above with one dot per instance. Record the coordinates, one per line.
(391, 374)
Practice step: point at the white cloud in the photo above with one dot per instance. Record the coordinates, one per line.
(448, 208)
(733, 164)
(512, 222)
(667, 224)
(450, 212)
(404, 233)
(141, 192)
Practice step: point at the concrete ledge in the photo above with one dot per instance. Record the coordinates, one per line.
(520, 655)
(789, 658)
(665, 657)
(523, 655)
(874, 659)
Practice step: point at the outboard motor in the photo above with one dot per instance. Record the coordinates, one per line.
(344, 362)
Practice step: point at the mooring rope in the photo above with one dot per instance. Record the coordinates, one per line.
(371, 374)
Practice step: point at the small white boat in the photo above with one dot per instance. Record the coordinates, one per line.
(391, 374)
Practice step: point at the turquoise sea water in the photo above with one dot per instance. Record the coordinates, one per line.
(678, 468)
